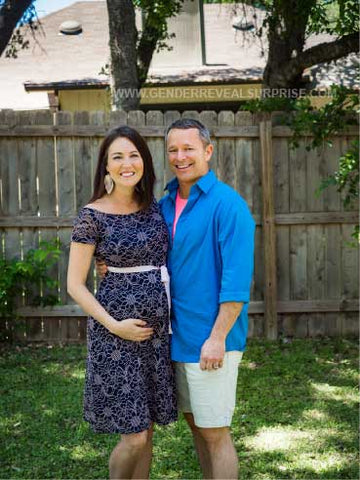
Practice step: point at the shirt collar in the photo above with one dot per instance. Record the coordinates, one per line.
(204, 183)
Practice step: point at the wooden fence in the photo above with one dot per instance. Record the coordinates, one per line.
(306, 273)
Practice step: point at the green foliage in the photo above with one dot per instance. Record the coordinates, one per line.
(155, 16)
(334, 17)
(322, 123)
(346, 180)
(269, 104)
(348, 19)
(326, 121)
(30, 273)
(347, 177)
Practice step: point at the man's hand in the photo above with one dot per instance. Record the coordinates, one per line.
(212, 354)
(101, 268)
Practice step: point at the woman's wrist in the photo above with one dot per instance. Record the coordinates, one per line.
(110, 323)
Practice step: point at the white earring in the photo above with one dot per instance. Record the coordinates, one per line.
(109, 183)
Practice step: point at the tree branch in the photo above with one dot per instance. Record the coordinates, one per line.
(146, 48)
(10, 14)
(325, 52)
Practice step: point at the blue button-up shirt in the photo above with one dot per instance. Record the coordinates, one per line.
(210, 261)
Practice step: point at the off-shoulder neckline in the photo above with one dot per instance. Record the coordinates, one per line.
(113, 214)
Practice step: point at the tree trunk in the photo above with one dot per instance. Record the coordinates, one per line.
(123, 38)
(10, 14)
(287, 58)
(286, 34)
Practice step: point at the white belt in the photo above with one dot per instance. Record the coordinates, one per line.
(147, 268)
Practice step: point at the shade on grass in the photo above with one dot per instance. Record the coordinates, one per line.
(296, 415)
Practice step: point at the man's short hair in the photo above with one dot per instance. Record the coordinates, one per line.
(187, 123)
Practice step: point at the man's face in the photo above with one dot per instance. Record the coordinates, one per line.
(188, 156)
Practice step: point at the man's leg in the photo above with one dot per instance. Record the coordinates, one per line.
(212, 399)
(200, 447)
(221, 452)
(217, 455)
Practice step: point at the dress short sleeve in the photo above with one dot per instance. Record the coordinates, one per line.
(85, 228)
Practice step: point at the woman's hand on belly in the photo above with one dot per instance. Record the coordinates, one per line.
(132, 329)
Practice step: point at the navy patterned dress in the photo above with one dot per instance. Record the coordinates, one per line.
(128, 385)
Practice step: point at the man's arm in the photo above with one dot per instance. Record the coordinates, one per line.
(213, 350)
(236, 230)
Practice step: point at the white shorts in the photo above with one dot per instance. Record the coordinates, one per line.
(208, 394)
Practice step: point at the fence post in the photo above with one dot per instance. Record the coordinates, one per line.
(268, 223)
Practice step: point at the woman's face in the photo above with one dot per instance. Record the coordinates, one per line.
(124, 163)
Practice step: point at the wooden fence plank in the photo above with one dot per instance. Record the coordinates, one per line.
(315, 276)
(244, 166)
(348, 323)
(315, 241)
(157, 149)
(269, 235)
(136, 119)
(245, 175)
(282, 206)
(9, 157)
(332, 202)
(298, 234)
(257, 183)
(96, 118)
(10, 187)
(82, 162)
(259, 267)
(117, 118)
(192, 114)
(226, 162)
(169, 117)
(209, 119)
(29, 205)
(66, 197)
(46, 173)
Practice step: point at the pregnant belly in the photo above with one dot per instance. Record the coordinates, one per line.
(134, 296)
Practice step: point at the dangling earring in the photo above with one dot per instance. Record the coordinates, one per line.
(109, 183)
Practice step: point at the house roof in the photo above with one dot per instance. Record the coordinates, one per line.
(64, 61)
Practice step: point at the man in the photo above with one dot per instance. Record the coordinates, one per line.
(210, 264)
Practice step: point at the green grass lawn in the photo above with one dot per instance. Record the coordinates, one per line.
(296, 415)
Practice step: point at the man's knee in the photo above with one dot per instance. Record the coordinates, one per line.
(214, 436)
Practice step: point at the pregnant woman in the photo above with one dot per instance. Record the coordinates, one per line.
(129, 382)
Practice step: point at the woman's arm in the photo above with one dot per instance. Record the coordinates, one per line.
(79, 265)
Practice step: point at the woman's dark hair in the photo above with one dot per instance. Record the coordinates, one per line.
(144, 189)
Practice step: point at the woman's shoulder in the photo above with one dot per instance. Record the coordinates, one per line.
(96, 206)
(87, 211)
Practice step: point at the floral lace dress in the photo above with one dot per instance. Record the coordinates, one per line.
(128, 385)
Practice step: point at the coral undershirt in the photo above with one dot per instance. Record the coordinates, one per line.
(180, 204)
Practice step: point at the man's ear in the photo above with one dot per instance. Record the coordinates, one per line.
(209, 151)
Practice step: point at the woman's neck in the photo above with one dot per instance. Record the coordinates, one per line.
(123, 196)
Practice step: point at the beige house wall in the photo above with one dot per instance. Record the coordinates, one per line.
(84, 100)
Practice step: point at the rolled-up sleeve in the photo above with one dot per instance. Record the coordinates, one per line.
(236, 234)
